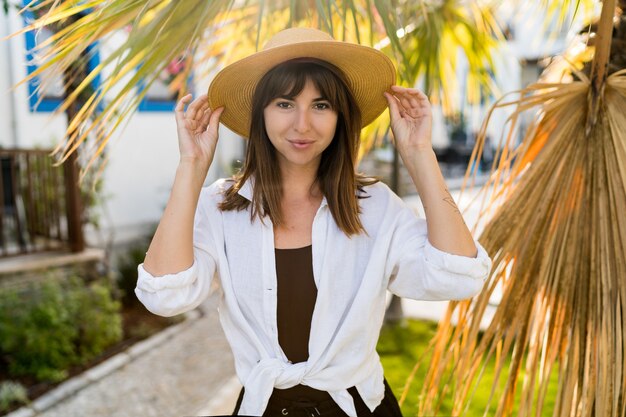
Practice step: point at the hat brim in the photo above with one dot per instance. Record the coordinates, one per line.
(368, 71)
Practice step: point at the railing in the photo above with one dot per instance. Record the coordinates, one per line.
(39, 204)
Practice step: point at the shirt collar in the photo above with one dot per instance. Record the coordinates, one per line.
(246, 191)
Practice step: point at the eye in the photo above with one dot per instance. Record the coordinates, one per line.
(322, 106)
(283, 104)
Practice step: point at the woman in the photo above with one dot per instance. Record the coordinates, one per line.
(303, 248)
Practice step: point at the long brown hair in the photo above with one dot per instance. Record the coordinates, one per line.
(336, 175)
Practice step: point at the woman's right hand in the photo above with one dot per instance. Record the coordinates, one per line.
(197, 129)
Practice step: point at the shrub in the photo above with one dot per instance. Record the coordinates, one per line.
(12, 393)
(127, 271)
(98, 320)
(51, 326)
(37, 336)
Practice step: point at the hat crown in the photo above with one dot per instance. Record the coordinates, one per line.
(296, 35)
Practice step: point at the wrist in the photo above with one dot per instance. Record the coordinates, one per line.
(194, 164)
(192, 170)
(418, 158)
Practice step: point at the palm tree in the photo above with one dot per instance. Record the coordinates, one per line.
(558, 238)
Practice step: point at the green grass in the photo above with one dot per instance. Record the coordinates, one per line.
(400, 347)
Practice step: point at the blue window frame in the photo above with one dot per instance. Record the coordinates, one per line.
(50, 100)
(158, 98)
(153, 104)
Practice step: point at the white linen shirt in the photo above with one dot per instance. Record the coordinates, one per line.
(352, 275)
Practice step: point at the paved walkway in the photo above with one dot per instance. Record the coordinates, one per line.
(180, 376)
(188, 372)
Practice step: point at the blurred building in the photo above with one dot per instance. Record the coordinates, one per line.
(142, 157)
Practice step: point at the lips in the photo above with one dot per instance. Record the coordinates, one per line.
(300, 144)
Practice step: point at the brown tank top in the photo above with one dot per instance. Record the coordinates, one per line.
(296, 300)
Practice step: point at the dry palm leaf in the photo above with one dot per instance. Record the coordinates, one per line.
(558, 242)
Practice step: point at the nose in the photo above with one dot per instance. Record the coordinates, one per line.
(302, 123)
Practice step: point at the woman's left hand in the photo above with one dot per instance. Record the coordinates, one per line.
(411, 119)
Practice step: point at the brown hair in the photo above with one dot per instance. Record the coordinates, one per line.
(336, 175)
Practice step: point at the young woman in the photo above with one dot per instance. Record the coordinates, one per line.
(303, 248)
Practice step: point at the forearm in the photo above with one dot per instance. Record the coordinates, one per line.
(171, 249)
(447, 230)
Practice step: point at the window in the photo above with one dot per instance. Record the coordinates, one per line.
(49, 98)
(162, 93)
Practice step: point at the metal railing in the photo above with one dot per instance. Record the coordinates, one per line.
(39, 203)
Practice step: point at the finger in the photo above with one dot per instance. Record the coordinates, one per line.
(407, 98)
(406, 90)
(195, 105)
(214, 120)
(200, 111)
(421, 98)
(204, 120)
(422, 101)
(411, 93)
(394, 106)
(404, 101)
(414, 101)
(180, 106)
(179, 110)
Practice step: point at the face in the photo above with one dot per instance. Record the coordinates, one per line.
(300, 128)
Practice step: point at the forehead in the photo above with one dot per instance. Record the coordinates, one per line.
(309, 88)
(303, 85)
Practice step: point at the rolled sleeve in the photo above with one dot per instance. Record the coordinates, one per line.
(418, 270)
(477, 267)
(173, 294)
(426, 273)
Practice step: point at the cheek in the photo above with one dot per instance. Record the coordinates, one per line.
(267, 119)
(276, 121)
(332, 126)
(270, 124)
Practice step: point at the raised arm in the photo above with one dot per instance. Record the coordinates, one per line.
(411, 123)
(171, 249)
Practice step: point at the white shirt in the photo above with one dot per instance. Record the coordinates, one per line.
(352, 276)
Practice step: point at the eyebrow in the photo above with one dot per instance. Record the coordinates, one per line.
(286, 97)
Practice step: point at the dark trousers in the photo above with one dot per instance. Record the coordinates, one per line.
(304, 407)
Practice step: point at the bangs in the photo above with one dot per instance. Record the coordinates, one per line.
(288, 80)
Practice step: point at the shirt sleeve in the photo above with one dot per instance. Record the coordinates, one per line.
(418, 270)
(173, 294)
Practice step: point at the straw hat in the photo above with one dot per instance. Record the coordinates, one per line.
(369, 73)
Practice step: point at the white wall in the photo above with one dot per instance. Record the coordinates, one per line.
(140, 172)
(7, 131)
(31, 129)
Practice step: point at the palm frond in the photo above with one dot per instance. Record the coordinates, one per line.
(427, 45)
(558, 240)
(437, 34)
